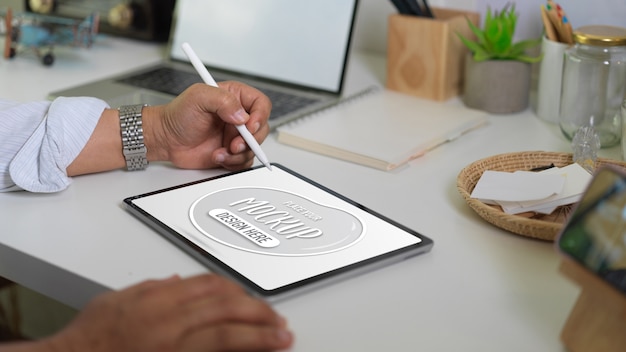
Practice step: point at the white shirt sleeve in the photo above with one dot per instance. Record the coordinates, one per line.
(39, 140)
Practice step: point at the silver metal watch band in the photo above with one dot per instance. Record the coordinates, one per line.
(131, 127)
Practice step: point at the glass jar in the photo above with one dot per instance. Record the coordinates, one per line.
(594, 83)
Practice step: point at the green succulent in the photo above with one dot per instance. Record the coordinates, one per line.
(495, 41)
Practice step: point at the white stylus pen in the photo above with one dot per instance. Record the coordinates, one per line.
(208, 79)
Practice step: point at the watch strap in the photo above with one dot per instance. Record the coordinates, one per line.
(131, 127)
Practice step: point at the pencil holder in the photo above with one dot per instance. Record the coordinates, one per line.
(425, 56)
(549, 82)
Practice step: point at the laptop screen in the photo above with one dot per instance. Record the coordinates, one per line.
(295, 41)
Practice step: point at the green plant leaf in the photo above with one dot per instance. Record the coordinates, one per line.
(526, 44)
(478, 52)
(482, 55)
(495, 39)
(502, 42)
(488, 17)
(529, 59)
(477, 32)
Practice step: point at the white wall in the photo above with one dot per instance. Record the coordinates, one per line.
(371, 27)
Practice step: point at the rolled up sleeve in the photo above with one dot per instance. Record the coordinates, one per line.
(43, 140)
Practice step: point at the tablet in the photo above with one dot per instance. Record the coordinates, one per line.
(595, 233)
(275, 232)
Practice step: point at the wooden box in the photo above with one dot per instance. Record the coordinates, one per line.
(425, 56)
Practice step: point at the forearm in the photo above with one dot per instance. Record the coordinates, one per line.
(103, 150)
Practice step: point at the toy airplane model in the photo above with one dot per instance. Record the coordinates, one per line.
(41, 33)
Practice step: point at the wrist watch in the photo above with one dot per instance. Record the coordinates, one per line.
(131, 127)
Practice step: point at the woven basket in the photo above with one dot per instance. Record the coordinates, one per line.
(540, 226)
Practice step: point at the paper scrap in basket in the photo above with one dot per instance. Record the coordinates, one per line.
(525, 191)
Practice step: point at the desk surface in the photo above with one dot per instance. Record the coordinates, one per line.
(480, 288)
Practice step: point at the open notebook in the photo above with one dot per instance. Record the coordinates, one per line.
(380, 128)
(294, 51)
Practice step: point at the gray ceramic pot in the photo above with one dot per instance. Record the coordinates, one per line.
(496, 86)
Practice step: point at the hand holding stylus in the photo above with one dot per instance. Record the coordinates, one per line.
(208, 79)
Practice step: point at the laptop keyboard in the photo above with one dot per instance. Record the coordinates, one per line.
(171, 81)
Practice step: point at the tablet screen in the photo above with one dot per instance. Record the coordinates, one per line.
(274, 230)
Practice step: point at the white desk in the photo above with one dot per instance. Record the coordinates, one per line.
(480, 289)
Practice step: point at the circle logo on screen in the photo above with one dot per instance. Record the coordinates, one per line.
(274, 222)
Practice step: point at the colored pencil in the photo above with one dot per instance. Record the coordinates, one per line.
(567, 26)
(547, 24)
(555, 20)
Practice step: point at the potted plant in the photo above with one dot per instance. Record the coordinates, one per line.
(497, 70)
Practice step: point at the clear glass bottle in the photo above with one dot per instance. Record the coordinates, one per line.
(594, 83)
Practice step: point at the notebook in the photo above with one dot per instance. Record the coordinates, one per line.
(295, 51)
(380, 128)
(276, 232)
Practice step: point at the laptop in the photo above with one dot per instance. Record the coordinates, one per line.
(294, 51)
